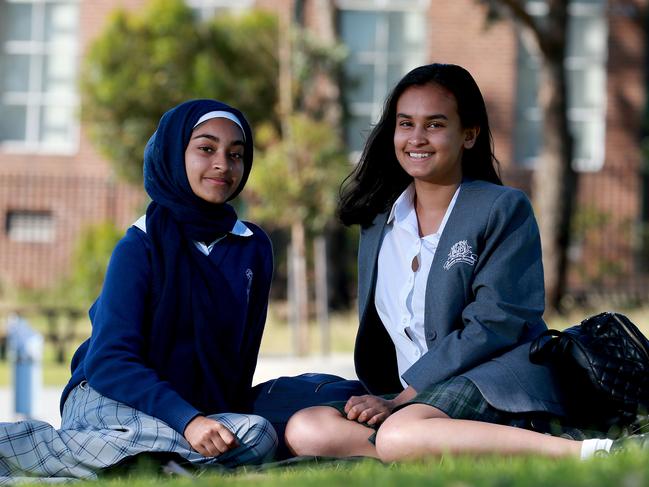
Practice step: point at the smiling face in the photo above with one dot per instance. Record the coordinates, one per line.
(428, 137)
(214, 160)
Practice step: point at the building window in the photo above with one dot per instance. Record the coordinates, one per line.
(30, 226)
(586, 66)
(38, 75)
(385, 41)
(208, 8)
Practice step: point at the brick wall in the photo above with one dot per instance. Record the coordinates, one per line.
(77, 189)
(609, 199)
(609, 252)
(73, 203)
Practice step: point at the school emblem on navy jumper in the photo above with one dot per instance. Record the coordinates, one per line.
(249, 277)
(460, 252)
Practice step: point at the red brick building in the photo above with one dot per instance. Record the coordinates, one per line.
(52, 181)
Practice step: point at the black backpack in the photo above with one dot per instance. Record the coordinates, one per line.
(602, 365)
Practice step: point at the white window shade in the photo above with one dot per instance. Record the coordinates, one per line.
(30, 226)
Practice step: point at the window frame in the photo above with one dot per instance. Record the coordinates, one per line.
(207, 8)
(30, 226)
(34, 99)
(532, 113)
(380, 57)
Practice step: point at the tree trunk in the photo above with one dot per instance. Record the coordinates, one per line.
(555, 182)
(299, 290)
(322, 99)
(321, 294)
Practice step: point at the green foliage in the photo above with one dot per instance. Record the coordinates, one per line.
(313, 58)
(297, 177)
(589, 227)
(89, 261)
(146, 62)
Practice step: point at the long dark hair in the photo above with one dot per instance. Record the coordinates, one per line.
(378, 179)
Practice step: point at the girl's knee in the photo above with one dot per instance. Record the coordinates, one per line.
(391, 440)
(262, 438)
(306, 431)
(257, 437)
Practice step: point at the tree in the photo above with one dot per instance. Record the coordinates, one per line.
(295, 185)
(145, 62)
(89, 261)
(555, 181)
(301, 165)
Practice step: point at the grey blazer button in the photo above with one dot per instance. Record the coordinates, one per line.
(432, 335)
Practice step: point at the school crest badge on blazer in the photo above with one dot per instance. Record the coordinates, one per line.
(460, 252)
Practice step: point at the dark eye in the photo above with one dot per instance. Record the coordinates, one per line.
(236, 156)
(206, 148)
(405, 123)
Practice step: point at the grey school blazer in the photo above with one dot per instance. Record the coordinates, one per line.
(484, 303)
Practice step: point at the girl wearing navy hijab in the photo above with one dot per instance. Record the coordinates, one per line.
(177, 327)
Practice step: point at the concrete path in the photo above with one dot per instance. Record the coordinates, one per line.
(47, 406)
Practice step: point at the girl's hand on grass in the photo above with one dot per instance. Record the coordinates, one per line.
(372, 410)
(209, 437)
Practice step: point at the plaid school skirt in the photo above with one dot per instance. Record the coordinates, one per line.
(98, 432)
(458, 398)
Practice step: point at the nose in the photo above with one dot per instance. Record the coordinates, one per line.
(220, 161)
(417, 136)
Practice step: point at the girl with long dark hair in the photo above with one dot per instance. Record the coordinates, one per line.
(450, 291)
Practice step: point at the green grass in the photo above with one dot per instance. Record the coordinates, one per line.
(278, 335)
(628, 470)
(278, 338)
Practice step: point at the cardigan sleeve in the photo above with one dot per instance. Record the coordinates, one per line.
(508, 297)
(114, 364)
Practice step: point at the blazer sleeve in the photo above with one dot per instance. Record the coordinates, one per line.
(507, 292)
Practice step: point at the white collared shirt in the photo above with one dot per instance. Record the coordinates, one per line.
(240, 229)
(401, 291)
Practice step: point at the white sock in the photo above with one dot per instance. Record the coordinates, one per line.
(590, 447)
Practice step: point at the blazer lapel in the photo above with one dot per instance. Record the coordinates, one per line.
(452, 266)
(369, 246)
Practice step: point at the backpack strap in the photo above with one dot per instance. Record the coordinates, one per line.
(543, 346)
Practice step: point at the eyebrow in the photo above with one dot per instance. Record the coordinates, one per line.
(216, 139)
(428, 117)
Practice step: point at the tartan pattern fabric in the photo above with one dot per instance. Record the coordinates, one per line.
(460, 398)
(98, 432)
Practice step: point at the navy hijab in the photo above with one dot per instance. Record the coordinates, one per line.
(192, 324)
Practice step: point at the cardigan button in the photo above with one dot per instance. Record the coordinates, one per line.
(432, 335)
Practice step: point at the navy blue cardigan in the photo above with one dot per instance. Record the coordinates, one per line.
(114, 360)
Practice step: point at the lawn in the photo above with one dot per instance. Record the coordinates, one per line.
(628, 470)
(278, 338)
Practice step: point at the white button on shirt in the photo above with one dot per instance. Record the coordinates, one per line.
(400, 296)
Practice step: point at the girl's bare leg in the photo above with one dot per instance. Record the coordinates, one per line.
(323, 431)
(419, 430)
